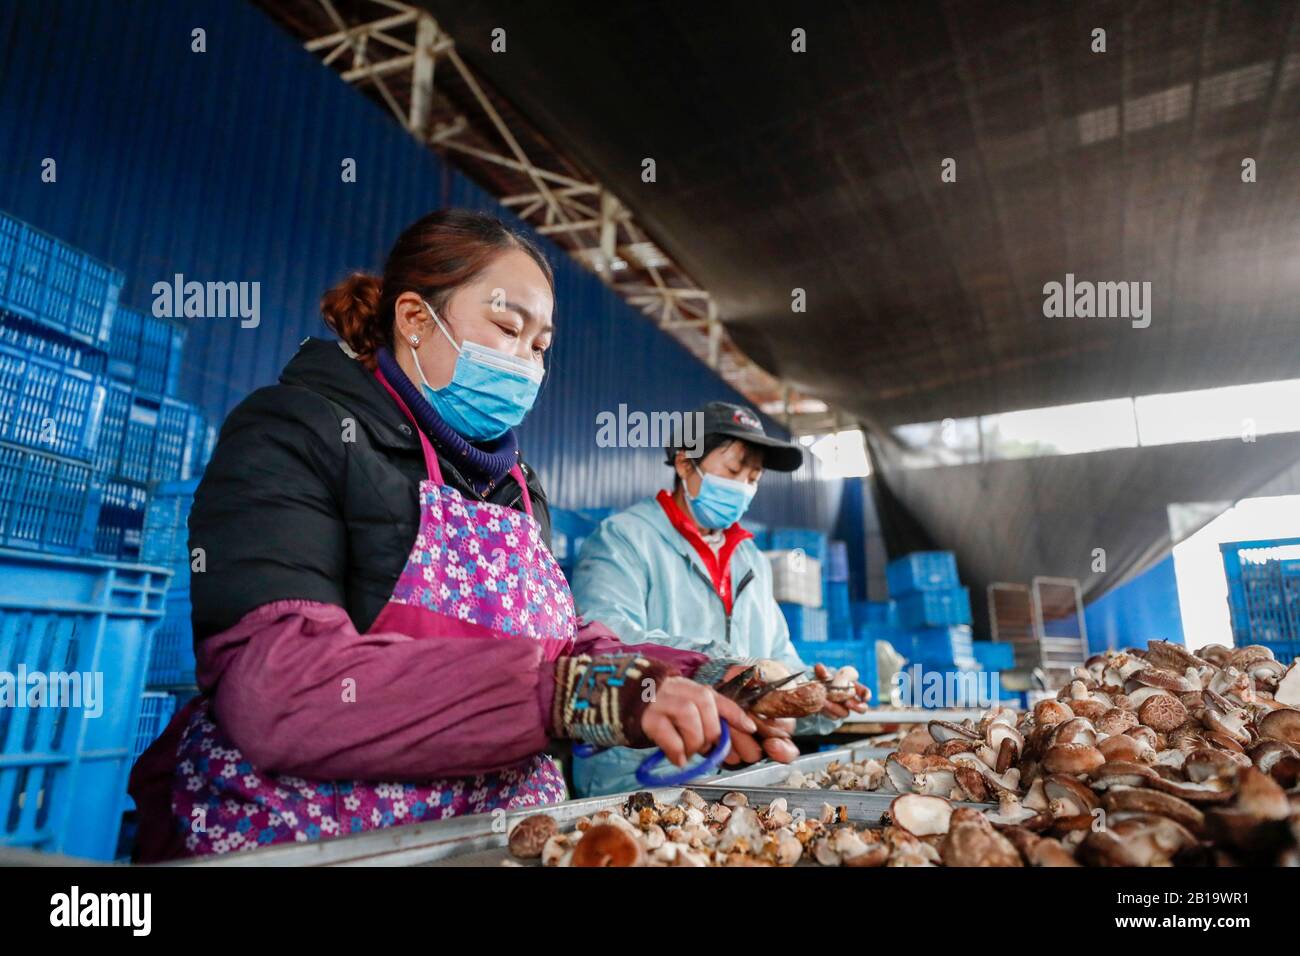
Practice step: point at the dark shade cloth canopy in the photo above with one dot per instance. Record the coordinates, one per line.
(780, 171)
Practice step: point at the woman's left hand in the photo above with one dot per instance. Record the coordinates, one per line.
(839, 711)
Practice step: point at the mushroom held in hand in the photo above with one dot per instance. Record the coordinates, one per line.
(800, 700)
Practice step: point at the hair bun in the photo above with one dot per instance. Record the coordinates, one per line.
(351, 309)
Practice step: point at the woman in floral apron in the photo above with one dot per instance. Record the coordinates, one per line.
(381, 632)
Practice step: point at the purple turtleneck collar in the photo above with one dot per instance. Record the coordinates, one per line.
(483, 464)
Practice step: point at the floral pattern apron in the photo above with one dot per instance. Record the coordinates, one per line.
(472, 561)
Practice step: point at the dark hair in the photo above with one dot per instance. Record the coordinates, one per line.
(711, 444)
(434, 256)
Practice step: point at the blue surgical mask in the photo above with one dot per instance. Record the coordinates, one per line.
(490, 391)
(721, 502)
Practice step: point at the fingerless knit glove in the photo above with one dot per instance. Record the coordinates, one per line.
(600, 700)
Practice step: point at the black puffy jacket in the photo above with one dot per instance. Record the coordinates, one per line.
(288, 508)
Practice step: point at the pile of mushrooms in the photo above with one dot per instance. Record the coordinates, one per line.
(1148, 757)
(862, 775)
(692, 832)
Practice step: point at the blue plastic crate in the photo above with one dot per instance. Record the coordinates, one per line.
(158, 362)
(156, 710)
(875, 612)
(31, 338)
(123, 343)
(47, 405)
(11, 233)
(994, 655)
(200, 438)
(836, 654)
(112, 428)
(96, 303)
(46, 502)
(139, 438)
(1255, 595)
(812, 543)
(934, 608)
(166, 532)
(569, 530)
(25, 290)
(937, 644)
(835, 597)
(837, 561)
(120, 525)
(922, 571)
(167, 462)
(808, 624)
(172, 662)
(62, 277)
(63, 773)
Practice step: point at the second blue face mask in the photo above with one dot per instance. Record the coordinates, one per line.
(721, 502)
(490, 391)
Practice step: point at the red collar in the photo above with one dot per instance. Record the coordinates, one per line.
(718, 565)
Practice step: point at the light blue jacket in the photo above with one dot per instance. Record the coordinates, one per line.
(640, 578)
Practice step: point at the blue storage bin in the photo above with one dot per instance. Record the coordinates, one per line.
(808, 624)
(139, 438)
(47, 503)
(200, 439)
(172, 662)
(921, 571)
(994, 655)
(934, 608)
(837, 561)
(875, 612)
(96, 305)
(836, 654)
(166, 531)
(31, 338)
(112, 428)
(158, 362)
(62, 773)
(156, 710)
(11, 234)
(123, 343)
(167, 462)
(812, 543)
(25, 289)
(835, 598)
(936, 644)
(47, 405)
(119, 529)
(569, 529)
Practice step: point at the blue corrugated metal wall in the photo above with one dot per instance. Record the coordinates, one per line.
(1140, 610)
(225, 165)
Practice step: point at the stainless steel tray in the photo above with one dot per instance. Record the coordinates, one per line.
(475, 841)
(769, 773)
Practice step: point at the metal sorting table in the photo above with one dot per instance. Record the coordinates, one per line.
(480, 840)
(474, 841)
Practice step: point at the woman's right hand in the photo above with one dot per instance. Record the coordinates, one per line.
(684, 718)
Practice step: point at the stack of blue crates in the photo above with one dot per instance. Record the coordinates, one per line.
(932, 612)
(835, 592)
(88, 413)
(89, 424)
(165, 544)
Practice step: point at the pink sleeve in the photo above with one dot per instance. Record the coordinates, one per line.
(595, 638)
(300, 692)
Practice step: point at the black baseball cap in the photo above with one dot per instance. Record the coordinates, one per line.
(737, 421)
